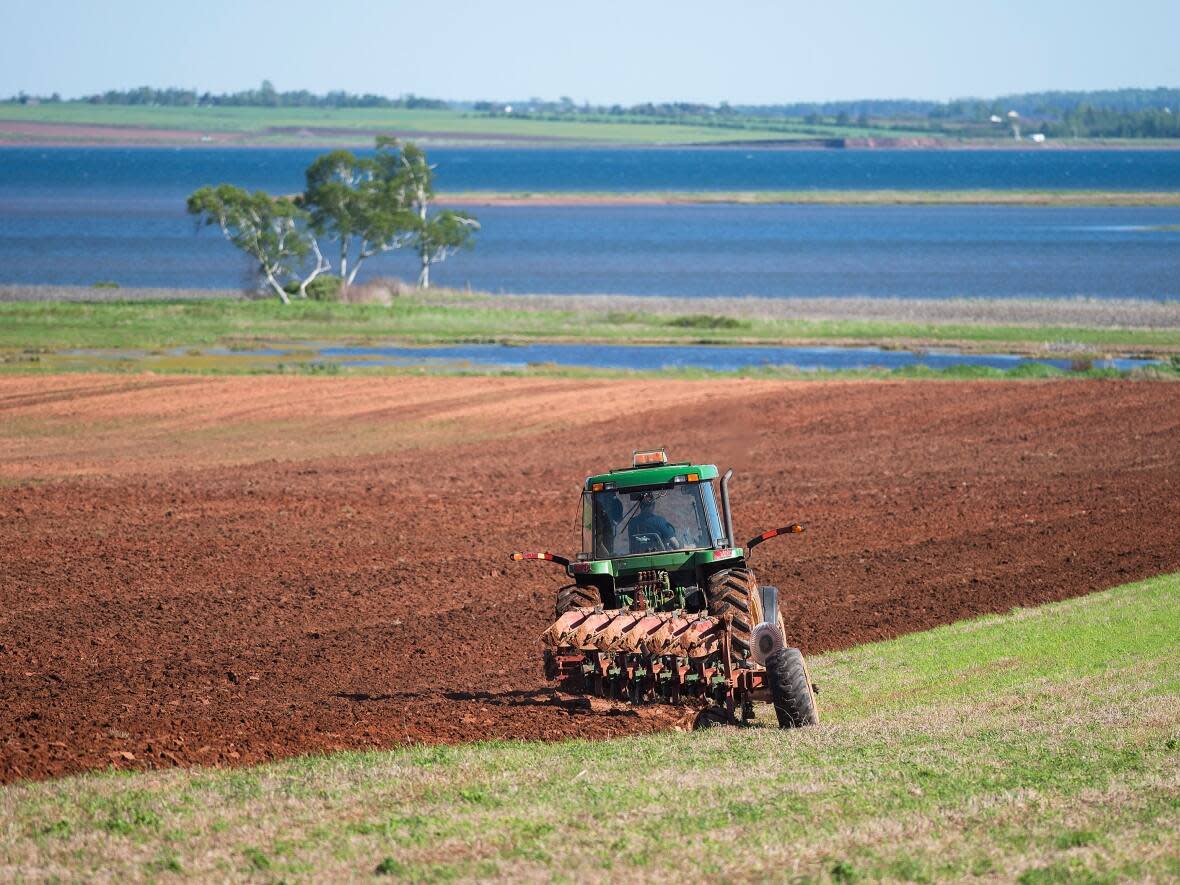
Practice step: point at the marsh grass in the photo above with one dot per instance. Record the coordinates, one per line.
(48, 326)
(1041, 745)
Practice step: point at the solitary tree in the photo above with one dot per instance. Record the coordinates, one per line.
(272, 231)
(435, 237)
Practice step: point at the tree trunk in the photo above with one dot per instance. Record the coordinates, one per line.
(309, 280)
(424, 274)
(321, 265)
(279, 290)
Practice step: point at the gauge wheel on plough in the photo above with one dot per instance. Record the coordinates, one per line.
(791, 689)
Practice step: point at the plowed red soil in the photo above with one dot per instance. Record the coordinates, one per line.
(221, 571)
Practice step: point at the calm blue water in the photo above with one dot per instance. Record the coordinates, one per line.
(177, 171)
(719, 359)
(80, 215)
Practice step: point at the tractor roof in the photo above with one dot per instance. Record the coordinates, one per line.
(659, 474)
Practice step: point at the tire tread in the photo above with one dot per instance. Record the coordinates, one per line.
(790, 688)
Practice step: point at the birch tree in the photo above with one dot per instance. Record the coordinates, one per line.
(359, 202)
(273, 231)
(435, 237)
(439, 237)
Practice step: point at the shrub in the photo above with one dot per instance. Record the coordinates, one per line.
(707, 321)
(323, 288)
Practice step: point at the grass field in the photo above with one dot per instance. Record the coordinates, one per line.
(279, 125)
(47, 326)
(1040, 746)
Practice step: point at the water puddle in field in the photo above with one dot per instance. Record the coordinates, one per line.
(457, 357)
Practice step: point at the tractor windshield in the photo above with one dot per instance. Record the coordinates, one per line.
(625, 522)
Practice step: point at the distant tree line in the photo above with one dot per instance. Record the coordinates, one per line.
(1092, 122)
(363, 205)
(266, 96)
(1123, 113)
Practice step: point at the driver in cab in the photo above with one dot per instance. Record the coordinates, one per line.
(648, 530)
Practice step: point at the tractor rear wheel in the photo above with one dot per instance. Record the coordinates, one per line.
(790, 688)
(575, 596)
(734, 593)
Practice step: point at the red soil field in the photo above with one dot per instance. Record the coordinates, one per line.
(227, 570)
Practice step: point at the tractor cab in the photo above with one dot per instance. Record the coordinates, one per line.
(648, 508)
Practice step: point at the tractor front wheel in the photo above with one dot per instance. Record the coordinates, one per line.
(790, 688)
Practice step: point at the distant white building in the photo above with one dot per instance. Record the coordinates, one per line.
(1038, 137)
(996, 118)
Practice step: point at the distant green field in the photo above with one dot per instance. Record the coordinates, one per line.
(286, 124)
(281, 126)
(1038, 746)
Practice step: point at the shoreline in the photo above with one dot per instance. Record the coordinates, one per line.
(881, 197)
(364, 141)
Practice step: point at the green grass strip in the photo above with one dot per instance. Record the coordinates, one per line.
(148, 325)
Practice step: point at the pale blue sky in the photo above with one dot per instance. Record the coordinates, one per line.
(604, 52)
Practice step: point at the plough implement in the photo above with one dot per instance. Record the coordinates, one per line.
(664, 608)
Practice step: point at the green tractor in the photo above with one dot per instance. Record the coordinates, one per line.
(665, 608)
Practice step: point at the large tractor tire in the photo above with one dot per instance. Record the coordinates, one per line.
(790, 689)
(573, 596)
(734, 593)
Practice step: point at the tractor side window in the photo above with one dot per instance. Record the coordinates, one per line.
(588, 548)
(714, 532)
